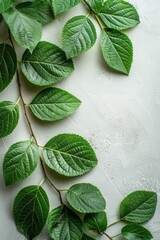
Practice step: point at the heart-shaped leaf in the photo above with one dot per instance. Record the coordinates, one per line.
(138, 207)
(46, 65)
(20, 161)
(60, 6)
(79, 35)
(69, 154)
(53, 104)
(86, 198)
(9, 116)
(8, 65)
(136, 232)
(30, 210)
(5, 4)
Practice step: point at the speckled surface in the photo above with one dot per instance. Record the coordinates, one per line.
(119, 115)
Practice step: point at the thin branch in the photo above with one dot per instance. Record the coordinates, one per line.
(110, 225)
(107, 236)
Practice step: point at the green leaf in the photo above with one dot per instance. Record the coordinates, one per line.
(96, 5)
(79, 35)
(117, 50)
(8, 65)
(136, 232)
(5, 4)
(85, 237)
(25, 30)
(119, 15)
(138, 207)
(63, 224)
(60, 6)
(86, 198)
(46, 65)
(20, 161)
(9, 116)
(30, 210)
(95, 224)
(53, 104)
(69, 154)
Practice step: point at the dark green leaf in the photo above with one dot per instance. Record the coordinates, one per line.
(79, 35)
(9, 116)
(53, 104)
(117, 50)
(63, 224)
(5, 4)
(119, 15)
(138, 207)
(30, 210)
(20, 161)
(8, 65)
(96, 5)
(136, 232)
(85, 237)
(60, 6)
(69, 154)
(46, 65)
(86, 198)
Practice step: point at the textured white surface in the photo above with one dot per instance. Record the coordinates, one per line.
(119, 115)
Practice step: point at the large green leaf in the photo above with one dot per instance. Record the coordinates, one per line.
(86, 198)
(30, 210)
(95, 224)
(46, 65)
(118, 14)
(138, 207)
(117, 50)
(96, 5)
(25, 30)
(136, 232)
(63, 224)
(20, 161)
(85, 237)
(69, 154)
(53, 104)
(8, 65)
(60, 6)
(9, 116)
(5, 4)
(79, 35)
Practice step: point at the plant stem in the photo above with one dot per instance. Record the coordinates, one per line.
(114, 223)
(116, 235)
(30, 126)
(107, 235)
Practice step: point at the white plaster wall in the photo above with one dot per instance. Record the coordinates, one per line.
(119, 115)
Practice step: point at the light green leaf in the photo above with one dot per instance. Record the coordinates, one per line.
(86, 198)
(79, 35)
(53, 104)
(20, 161)
(5, 4)
(46, 65)
(69, 154)
(136, 232)
(25, 30)
(30, 210)
(60, 6)
(9, 116)
(8, 65)
(96, 5)
(95, 224)
(63, 224)
(138, 207)
(119, 15)
(117, 50)
(85, 237)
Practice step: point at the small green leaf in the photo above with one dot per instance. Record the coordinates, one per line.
(117, 50)
(96, 5)
(53, 104)
(138, 207)
(95, 224)
(69, 154)
(136, 232)
(63, 224)
(60, 6)
(79, 35)
(85, 237)
(9, 116)
(20, 161)
(25, 30)
(5, 4)
(119, 15)
(86, 198)
(30, 210)
(8, 65)
(46, 65)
